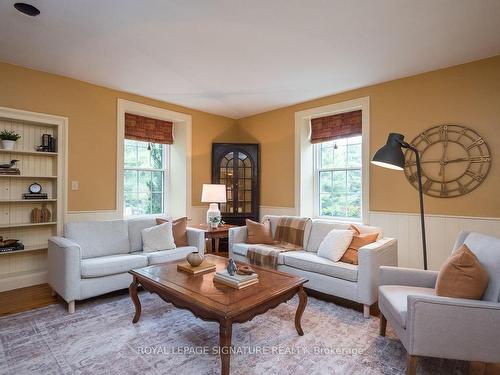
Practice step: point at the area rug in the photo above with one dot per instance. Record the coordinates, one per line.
(99, 338)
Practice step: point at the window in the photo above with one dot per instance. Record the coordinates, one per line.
(338, 175)
(145, 175)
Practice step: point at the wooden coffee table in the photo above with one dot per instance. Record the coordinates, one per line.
(215, 302)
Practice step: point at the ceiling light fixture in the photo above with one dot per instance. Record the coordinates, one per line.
(27, 9)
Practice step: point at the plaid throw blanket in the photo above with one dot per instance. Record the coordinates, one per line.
(289, 236)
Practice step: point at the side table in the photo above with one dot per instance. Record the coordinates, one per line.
(213, 235)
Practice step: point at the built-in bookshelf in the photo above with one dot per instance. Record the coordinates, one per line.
(29, 266)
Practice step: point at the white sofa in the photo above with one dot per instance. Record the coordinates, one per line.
(356, 283)
(94, 257)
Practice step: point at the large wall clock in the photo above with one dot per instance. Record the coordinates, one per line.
(455, 160)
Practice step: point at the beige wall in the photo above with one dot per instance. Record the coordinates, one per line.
(91, 111)
(467, 94)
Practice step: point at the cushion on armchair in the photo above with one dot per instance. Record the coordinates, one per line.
(462, 276)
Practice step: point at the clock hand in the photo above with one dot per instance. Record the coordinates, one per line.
(410, 163)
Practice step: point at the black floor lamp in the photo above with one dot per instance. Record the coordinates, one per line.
(391, 156)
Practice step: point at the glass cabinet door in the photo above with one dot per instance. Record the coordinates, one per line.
(235, 167)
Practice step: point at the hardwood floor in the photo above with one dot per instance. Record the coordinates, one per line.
(24, 299)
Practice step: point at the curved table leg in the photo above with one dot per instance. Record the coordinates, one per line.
(132, 290)
(225, 332)
(300, 309)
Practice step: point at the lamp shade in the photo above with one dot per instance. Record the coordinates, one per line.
(213, 193)
(390, 155)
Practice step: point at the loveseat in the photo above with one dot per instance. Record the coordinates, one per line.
(94, 257)
(357, 283)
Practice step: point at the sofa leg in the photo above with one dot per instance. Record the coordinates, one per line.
(383, 325)
(477, 368)
(71, 307)
(411, 364)
(366, 311)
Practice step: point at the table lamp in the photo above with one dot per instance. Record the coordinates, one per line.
(213, 194)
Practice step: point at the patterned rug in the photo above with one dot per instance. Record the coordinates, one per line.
(101, 339)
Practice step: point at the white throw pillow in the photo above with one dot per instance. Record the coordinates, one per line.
(159, 237)
(335, 244)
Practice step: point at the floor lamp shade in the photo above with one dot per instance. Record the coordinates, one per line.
(390, 155)
(213, 194)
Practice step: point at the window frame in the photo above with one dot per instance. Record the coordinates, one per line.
(304, 156)
(164, 169)
(317, 184)
(180, 159)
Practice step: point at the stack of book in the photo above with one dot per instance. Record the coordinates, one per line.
(8, 249)
(10, 171)
(202, 268)
(236, 281)
(35, 196)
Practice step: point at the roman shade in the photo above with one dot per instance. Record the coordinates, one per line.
(148, 129)
(333, 127)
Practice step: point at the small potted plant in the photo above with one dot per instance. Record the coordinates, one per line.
(215, 222)
(9, 139)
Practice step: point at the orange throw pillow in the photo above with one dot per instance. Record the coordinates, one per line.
(358, 240)
(259, 232)
(462, 276)
(179, 229)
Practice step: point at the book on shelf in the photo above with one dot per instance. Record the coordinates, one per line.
(10, 249)
(234, 284)
(10, 171)
(35, 196)
(202, 268)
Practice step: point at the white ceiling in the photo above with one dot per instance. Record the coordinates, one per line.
(241, 57)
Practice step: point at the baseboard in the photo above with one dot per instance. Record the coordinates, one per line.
(22, 280)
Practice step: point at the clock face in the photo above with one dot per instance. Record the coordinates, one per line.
(455, 160)
(35, 188)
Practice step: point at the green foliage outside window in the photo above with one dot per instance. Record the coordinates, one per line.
(143, 178)
(340, 178)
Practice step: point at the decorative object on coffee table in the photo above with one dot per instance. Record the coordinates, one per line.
(9, 139)
(245, 270)
(194, 259)
(231, 267)
(213, 194)
(211, 302)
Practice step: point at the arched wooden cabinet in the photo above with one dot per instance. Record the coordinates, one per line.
(236, 165)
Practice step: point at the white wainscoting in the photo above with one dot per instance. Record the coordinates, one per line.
(441, 233)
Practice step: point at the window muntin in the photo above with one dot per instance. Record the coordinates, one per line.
(144, 178)
(339, 178)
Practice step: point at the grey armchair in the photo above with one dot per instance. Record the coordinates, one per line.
(443, 327)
